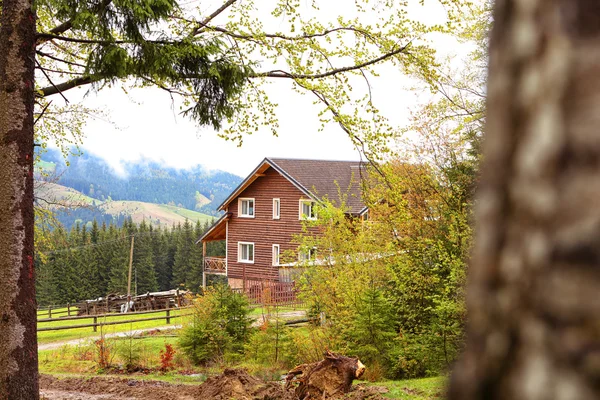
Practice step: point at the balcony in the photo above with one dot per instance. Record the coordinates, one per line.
(215, 265)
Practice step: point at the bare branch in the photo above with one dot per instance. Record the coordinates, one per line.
(62, 87)
(42, 113)
(41, 53)
(50, 80)
(212, 16)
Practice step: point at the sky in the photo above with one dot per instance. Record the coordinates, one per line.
(144, 123)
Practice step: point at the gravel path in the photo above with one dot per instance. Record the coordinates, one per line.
(136, 332)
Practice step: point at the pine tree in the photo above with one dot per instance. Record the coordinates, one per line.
(183, 256)
(143, 261)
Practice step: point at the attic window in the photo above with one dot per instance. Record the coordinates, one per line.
(307, 210)
(276, 208)
(246, 208)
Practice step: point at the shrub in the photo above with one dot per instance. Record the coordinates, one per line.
(220, 324)
(271, 344)
(166, 357)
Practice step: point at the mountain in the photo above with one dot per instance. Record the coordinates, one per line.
(89, 188)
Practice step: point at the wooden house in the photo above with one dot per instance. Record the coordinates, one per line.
(264, 212)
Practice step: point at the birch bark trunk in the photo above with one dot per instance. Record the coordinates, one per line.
(18, 343)
(534, 290)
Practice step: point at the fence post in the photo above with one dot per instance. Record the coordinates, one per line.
(178, 301)
(68, 309)
(168, 311)
(49, 311)
(95, 324)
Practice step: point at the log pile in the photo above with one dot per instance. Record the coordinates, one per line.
(114, 303)
(329, 377)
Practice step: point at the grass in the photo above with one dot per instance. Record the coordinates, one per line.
(64, 195)
(260, 310)
(57, 312)
(79, 333)
(189, 214)
(82, 358)
(414, 389)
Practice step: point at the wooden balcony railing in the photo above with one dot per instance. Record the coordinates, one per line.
(215, 265)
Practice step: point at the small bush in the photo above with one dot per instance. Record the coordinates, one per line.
(272, 345)
(220, 324)
(166, 358)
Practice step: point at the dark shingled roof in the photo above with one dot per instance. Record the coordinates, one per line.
(325, 179)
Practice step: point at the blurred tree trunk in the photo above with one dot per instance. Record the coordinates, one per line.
(534, 294)
(18, 344)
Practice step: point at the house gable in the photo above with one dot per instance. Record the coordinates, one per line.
(263, 230)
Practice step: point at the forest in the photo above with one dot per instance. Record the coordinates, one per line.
(83, 263)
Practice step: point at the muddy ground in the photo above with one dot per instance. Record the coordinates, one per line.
(232, 384)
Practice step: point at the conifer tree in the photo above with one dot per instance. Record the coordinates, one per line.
(183, 255)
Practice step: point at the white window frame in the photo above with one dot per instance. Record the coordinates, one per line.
(308, 257)
(241, 200)
(248, 261)
(276, 208)
(276, 255)
(304, 217)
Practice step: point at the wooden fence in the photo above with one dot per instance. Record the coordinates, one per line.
(58, 310)
(266, 292)
(96, 324)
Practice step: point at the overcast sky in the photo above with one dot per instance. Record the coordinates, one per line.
(143, 124)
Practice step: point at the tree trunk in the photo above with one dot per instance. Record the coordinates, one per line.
(329, 377)
(534, 290)
(18, 344)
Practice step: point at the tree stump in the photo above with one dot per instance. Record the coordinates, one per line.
(328, 377)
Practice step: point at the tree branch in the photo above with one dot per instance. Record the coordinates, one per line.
(289, 38)
(62, 87)
(41, 53)
(284, 74)
(212, 16)
(65, 26)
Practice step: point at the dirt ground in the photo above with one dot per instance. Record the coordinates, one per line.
(232, 384)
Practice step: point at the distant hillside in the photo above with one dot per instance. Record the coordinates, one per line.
(156, 214)
(145, 181)
(71, 207)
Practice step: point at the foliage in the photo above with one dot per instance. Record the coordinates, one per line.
(86, 264)
(272, 345)
(217, 61)
(220, 325)
(166, 357)
(392, 286)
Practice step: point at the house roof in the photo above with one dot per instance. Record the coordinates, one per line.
(217, 231)
(317, 179)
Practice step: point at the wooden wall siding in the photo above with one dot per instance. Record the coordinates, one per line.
(263, 230)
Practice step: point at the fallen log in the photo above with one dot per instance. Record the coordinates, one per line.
(329, 377)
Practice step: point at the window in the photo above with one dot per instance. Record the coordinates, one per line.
(276, 208)
(245, 252)
(365, 216)
(308, 255)
(246, 208)
(276, 254)
(307, 209)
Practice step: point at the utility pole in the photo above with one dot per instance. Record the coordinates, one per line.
(129, 279)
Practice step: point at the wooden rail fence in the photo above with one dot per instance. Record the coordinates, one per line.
(54, 310)
(96, 324)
